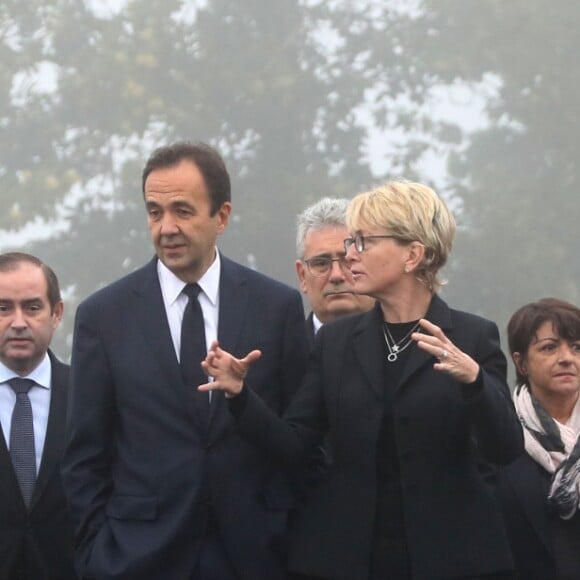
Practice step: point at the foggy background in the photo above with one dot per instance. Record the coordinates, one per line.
(304, 99)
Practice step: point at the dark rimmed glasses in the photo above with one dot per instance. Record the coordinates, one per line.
(358, 241)
(322, 265)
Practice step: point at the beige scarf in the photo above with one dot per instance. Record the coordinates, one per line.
(555, 446)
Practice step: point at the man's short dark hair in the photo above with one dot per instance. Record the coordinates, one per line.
(12, 260)
(207, 160)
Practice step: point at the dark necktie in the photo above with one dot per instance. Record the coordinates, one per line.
(22, 439)
(193, 351)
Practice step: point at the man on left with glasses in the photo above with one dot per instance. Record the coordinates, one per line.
(36, 536)
(322, 270)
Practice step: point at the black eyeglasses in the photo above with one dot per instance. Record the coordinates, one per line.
(322, 265)
(359, 241)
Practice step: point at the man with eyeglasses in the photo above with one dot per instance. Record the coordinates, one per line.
(321, 266)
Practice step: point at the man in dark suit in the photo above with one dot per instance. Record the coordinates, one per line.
(321, 266)
(326, 281)
(36, 535)
(160, 484)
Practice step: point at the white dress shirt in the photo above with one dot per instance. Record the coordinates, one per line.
(175, 302)
(39, 396)
(317, 325)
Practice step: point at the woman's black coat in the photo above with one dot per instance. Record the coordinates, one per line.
(453, 521)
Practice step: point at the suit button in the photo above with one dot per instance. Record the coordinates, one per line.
(209, 448)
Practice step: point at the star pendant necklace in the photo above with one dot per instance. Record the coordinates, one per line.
(397, 347)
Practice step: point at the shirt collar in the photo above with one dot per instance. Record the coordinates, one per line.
(41, 375)
(316, 323)
(172, 285)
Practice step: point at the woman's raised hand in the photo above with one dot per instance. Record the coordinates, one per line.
(227, 371)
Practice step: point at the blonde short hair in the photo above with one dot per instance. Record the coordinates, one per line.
(410, 212)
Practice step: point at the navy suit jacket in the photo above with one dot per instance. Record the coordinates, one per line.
(37, 544)
(453, 522)
(310, 330)
(137, 459)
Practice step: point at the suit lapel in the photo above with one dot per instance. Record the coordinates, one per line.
(55, 429)
(151, 316)
(369, 347)
(233, 302)
(438, 313)
(233, 305)
(7, 475)
(310, 330)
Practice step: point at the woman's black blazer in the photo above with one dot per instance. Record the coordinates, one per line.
(453, 520)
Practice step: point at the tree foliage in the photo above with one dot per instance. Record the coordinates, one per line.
(514, 181)
(281, 88)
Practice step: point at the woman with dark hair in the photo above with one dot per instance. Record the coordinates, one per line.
(540, 491)
(411, 395)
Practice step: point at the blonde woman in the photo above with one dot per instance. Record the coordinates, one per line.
(411, 395)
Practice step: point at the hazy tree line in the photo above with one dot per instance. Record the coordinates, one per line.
(281, 88)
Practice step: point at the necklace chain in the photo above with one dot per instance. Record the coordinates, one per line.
(397, 347)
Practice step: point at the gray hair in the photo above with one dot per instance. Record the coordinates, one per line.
(328, 212)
